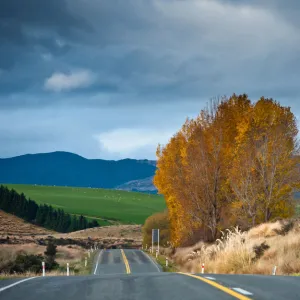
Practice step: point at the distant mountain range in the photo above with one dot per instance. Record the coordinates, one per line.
(69, 169)
(140, 185)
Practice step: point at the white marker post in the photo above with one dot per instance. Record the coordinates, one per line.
(156, 255)
(85, 262)
(43, 267)
(202, 269)
(274, 270)
(158, 240)
(167, 262)
(68, 270)
(152, 240)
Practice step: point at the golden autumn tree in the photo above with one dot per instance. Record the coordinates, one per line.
(265, 169)
(208, 157)
(168, 180)
(234, 159)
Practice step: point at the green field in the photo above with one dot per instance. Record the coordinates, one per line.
(107, 205)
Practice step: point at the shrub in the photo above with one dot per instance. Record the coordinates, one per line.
(157, 221)
(50, 254)
(23, 263)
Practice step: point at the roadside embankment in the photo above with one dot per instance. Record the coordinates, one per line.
(257, 251)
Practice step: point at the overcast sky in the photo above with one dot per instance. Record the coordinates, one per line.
(113, 78)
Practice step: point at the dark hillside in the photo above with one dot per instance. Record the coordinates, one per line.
(68, 169)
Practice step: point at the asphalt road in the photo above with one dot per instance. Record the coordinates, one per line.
(112, 279)
(113, 262)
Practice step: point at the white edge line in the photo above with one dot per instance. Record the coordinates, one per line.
(13, 284)
(152, 261)
(97, 262)
(211, 278)
(241, 291)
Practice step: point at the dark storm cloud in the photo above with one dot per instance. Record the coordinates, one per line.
(161, 48)
(17, 16)
(30, 23)
(88, 74)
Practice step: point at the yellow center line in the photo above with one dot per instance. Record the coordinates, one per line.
(218, 286)
(125, 262)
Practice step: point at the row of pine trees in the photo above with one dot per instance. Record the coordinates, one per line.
(42, 215)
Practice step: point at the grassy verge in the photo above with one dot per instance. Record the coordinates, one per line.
(78, 267)
(75, 258)
(90, 262)
(4, 276)
(161, 260)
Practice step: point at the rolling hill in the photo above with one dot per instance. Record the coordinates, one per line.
(140, 185)
(108, 206)
(68, 169)
(12, 225)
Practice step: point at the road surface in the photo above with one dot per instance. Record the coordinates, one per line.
(131, 274)
(115, 262)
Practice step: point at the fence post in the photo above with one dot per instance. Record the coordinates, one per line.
(43, 266)
(68, 270)
(202, 268)
(274, 270)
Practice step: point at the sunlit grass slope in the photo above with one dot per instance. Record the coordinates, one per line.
(115, 205)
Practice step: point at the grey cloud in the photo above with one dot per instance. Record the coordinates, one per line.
(199, 55)
(73, 129)
(18, 16)
(155, 47)
(288, 10)
(27, 24)
(155, 61)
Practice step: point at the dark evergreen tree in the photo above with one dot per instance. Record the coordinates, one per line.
(92, 224)
(67, 223)
(50, 254)
(32, 210)
(43, 215)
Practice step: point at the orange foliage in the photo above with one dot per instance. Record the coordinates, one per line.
(234, 163)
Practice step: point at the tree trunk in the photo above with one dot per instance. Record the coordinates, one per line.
(267, 214)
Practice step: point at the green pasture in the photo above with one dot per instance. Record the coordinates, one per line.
(108, 206)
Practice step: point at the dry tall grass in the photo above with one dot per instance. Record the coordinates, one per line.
(74, 255)
(31, 274)
(254, 252)
(113, 232)
(12, 225)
